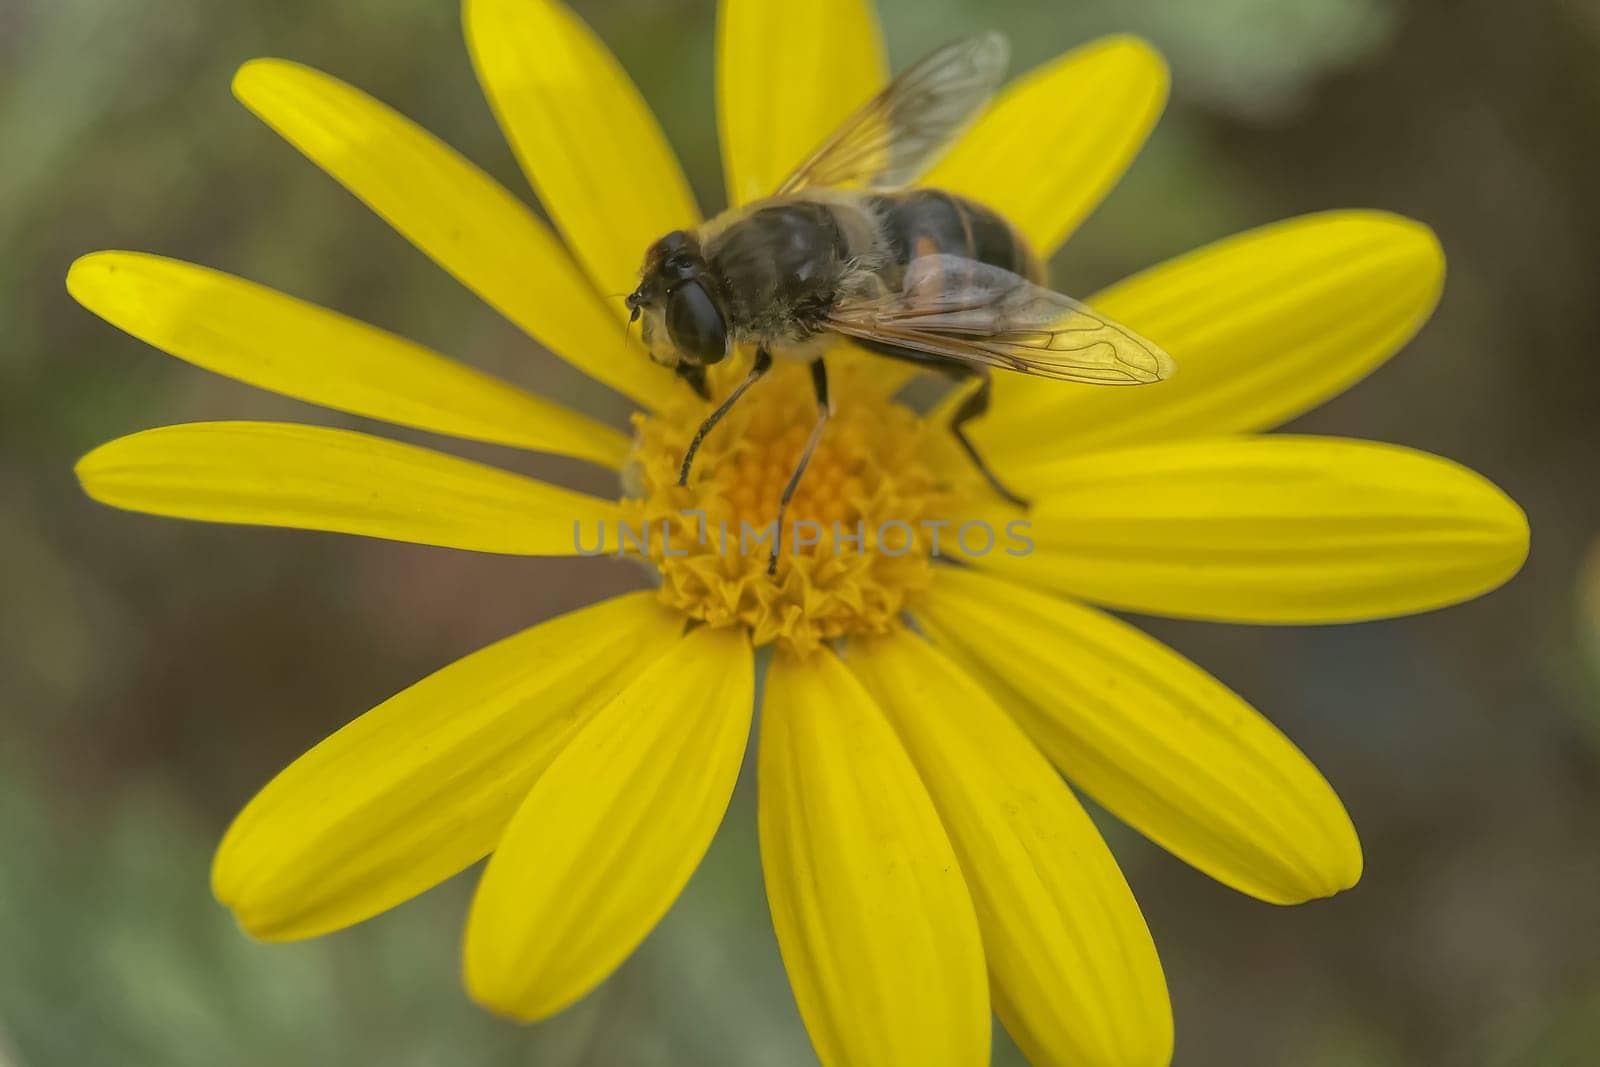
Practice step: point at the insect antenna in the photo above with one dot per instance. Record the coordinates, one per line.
(633, 317)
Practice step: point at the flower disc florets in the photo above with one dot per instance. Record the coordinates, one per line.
(854, 544)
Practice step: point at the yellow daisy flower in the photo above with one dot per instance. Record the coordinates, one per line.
(924, 860)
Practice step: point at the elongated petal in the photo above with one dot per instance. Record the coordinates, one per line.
(1155, 739)
(1057, 139)
(422, 786)
(260, 336)
(584, 135)
(857, 369)
(873, 917)
(1075, 974)
(459, 216)
(314, 478)
(1263, 326)
(787, 76)
(1277, 529)
(612, 830)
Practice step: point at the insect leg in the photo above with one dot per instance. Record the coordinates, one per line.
(695, 375)
(976, 403)
(819, 383)
(763, 363)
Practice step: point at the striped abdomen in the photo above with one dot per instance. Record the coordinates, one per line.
(922, 222)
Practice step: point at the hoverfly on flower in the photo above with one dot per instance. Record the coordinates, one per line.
(845, 247)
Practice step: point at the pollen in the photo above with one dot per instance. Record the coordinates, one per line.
(854, 546)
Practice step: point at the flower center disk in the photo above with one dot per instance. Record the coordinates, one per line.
(853, 544)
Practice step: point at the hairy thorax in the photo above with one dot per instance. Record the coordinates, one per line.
(785, 262)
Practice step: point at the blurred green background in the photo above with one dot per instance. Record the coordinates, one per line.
(153, 674)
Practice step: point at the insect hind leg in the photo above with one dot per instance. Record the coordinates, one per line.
(973, 405)
(819, 383)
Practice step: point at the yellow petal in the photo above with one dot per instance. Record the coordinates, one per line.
(584, 135)
(1263, 326)
(459, 216)
(1057, 139)
(787, 76)
(1075, 974)
(252, 333)
(612, 830)
(853, 370)
(421, 786)
(314, 478)
(1276, 529)
(1152, 737)
(873, 917)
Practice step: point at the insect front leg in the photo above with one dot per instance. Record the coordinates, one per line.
(819, 383)
(762, 364)
(695, 375)
(975, 404)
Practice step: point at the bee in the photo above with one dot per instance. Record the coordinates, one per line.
(847, 247)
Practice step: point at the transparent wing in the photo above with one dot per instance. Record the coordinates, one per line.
(900, 132)
(975, 313)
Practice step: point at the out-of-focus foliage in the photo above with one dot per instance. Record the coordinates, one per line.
(115, 955)
(154, 673)
(1588, 621)
(1255, 59)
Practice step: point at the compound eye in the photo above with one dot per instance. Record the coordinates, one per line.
(695, 323)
